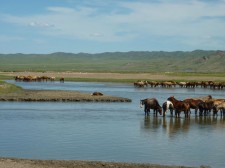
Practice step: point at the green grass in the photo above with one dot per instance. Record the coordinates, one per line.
(4, 77)
(8, 88)
(183, 74)
(195, 61)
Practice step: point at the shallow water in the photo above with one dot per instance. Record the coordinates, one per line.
(110, 131)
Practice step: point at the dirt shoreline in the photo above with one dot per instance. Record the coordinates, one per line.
(58, 96)
(131, 76)
(28, 163)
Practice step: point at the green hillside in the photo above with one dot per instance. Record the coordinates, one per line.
(195, 61)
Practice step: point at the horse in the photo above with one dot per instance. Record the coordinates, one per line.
(153, 83)
(61, 80)
(97, 94)
(140, 83)
(167, 105)
(220, 107)
(205, 107)
(151, 103)
(180, 106)
(193, 103)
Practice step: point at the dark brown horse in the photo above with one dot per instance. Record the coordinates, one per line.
(194, 104)
(151, 103)
(180, 106)
(62, 80)
(97, 94)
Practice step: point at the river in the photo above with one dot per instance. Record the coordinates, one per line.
(111, 131)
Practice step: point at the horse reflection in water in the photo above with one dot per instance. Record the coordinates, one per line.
(152, 123)
(175, 125)
(211, 120)
(171, 125)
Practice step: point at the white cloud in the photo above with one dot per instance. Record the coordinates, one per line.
(164, 18)
(39, 24)
(96, 34)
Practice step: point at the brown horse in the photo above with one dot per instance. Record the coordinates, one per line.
(61, 80)
(97, 94)
(140, 83)
(220, 107)
(151, 104)
(180, 106)
(194, 104)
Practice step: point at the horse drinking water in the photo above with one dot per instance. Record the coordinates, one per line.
(180, 106)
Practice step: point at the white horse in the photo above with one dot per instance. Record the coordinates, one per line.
(168, 105)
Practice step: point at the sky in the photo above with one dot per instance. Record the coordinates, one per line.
(96, 26)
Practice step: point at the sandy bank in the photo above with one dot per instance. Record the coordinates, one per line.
(26, 163)
(58, 95)
(134, 76)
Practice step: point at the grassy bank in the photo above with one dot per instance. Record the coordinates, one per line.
(8, 88)
(119, 77)
(120, 62)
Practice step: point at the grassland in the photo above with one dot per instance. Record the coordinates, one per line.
(121, 77)
(8, 88)
(121, 62)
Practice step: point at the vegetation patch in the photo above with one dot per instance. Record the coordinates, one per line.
(8, 88)
(124, 62)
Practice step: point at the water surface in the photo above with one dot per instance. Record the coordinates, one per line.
(110, 131)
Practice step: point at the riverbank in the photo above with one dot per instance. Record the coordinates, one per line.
(58, 96)
(119, 77)
(27, 163)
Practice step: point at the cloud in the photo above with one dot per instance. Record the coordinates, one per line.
(38, 24)
(129, 20)
(96, 34)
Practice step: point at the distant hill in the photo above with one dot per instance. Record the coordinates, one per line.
(134, 61)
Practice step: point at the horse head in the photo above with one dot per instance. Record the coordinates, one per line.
(160, 110)
(171, 99)
(142, 102)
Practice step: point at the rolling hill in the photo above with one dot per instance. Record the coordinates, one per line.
(134, 61)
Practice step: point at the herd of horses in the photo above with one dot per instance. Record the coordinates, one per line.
(169, 84)
(36, 78)
(203, 106)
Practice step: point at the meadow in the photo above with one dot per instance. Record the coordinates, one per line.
(122, 62)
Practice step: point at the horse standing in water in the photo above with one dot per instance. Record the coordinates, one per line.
(180, 106)
(168, 105)
(194, 104)
(151, 104)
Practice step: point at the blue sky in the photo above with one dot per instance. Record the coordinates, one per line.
(95, 26)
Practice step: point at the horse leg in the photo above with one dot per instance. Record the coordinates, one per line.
(176, 113)
(164, 113)
(189, 113)
(185, 114)
(171, 112)
(196, 111)
(148, 111)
